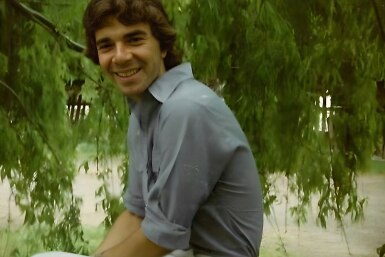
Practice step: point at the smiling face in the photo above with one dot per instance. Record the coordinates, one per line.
(130, 56)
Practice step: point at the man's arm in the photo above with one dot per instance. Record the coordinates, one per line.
(137, 245)
(124, 227)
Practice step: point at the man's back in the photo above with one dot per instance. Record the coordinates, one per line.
(229, 222)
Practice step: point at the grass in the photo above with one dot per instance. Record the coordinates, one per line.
(24, 241)
(378, 166)
(94, 235)
(21, 242)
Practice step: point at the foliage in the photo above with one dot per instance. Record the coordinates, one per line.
(272, 72)
(22, 242)
(36, 157)
(270, 60)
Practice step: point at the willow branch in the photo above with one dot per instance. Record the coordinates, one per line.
(28, 116)
(377, 12)
(47, 25)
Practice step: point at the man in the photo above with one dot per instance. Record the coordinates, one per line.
(193, 185)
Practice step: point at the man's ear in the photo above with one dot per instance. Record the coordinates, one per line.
(164, 54)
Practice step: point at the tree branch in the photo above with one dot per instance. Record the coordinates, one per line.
(47, 25)
(380, 25)
(29, 118)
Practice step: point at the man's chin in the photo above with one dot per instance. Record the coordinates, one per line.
(132, 94)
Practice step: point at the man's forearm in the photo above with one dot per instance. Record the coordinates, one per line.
(137, 245)
(124, 226)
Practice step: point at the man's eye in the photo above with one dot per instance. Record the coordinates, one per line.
(135, 40)
(104, 46)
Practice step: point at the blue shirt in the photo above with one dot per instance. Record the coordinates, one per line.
(192, 174)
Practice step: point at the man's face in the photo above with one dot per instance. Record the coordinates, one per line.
(130, 56)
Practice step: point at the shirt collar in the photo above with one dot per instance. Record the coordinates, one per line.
(163, 87)
(159, 91)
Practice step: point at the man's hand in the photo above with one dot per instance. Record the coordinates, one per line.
(126, 239)
(124, 226)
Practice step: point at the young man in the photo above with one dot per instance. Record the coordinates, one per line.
(193, 185)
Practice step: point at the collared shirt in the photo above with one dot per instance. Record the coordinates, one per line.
(192, 174)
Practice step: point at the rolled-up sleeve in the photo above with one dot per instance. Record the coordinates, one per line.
(133, 197)
(189, 154)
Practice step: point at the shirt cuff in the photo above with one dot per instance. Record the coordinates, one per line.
(133, 205)
(165, 233)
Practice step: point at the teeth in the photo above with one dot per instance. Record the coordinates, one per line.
(128, 73)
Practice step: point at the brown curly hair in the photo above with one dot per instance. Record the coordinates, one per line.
(130, 12)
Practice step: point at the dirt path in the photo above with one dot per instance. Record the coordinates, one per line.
(310, 240)
(307, 241)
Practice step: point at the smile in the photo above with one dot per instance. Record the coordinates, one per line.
(127, 74)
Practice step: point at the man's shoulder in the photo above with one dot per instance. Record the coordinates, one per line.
(192, 95)
(192, 91)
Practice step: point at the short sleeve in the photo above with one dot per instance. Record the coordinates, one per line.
(190, 152)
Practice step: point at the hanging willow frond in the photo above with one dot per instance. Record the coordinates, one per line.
(47, 25)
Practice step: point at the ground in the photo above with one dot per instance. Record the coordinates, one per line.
(309, 240)
(361, 240)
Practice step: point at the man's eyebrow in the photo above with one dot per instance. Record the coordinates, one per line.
(131, 34)
(102, 41)
(135, 33)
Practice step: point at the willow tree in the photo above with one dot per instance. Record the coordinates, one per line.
(270, 60)
(36, 147)
(342, 47)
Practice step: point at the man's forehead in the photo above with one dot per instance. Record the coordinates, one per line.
(114, 26)
(111, 20)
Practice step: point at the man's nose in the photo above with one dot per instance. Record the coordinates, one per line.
(122, 54)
